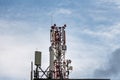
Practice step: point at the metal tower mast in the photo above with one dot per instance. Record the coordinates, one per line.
(59, 66)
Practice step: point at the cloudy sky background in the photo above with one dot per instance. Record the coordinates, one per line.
(93, 36)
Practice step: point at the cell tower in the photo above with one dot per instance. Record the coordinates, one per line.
(59, 67)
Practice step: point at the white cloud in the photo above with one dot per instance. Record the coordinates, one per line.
(13, 59)
(105, 32)
(17, 49)
(84, 55)
(116, 2)
(60, 11)
(64, 11)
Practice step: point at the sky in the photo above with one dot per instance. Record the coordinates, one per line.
(93, 36)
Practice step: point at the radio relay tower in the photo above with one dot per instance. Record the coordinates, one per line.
(59, 67)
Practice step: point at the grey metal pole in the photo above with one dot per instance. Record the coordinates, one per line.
(31, 78)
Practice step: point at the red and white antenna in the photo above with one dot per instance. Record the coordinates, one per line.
(59, 66)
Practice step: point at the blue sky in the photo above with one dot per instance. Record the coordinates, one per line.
(93, 30)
